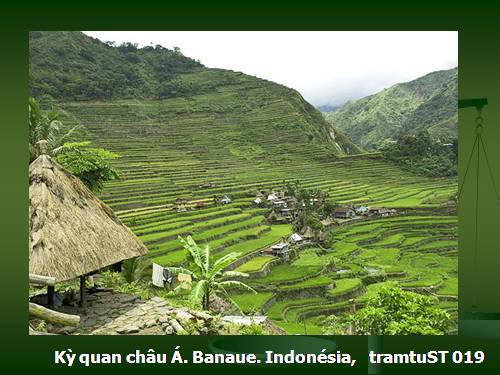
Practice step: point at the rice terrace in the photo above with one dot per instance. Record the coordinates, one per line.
(320, 225)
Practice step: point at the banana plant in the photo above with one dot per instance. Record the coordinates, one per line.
(209, 275)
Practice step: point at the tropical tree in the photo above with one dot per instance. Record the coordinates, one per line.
(46, 126)
(89, 164)
(208, 274)
(397, 312)
(392, 311)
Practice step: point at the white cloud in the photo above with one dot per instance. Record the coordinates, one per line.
(328, 67)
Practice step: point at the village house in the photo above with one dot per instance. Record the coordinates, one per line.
(272, 197)
(279, 203)
(72, 233)
(326, 222)
(296, 239)
(344, 213)
(199, 205)
(181, 201)
(257, 201)
(281, 250)
(287, 212)
(308, 234)
(286, 215)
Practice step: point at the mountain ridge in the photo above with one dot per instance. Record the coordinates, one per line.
(428, 102)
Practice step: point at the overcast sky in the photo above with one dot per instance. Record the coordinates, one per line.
(327, 68)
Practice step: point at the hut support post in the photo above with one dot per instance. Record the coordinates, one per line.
(50, 296)
(82, 290)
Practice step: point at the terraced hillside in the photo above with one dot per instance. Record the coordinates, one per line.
(240, 113)
(165, 155)
(417, 253)
(189, 135)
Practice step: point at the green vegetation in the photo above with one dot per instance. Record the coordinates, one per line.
(136, 269)
(89, 164)
(427, 103)
(250, 303)
(83, 68)
(46, 126)
(255, 264)
(208, 273)
(395, 312)
(421, 154)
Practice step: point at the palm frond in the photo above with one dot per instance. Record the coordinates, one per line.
(193, 250)
(135, 269)
(223, 262)
(60, 140)
(198, 292)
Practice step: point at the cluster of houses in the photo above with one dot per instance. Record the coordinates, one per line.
(283, 248)
(349, 212)
(283, 205)
(180, 204)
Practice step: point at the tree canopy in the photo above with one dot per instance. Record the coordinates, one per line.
(421, 154)
(89, 164)
(74, 66)
(394, 311)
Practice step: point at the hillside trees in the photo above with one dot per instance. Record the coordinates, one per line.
(426, 103)
(397, 312)
(73, 66)
(421, 154)
(393, 311)
(89, 164)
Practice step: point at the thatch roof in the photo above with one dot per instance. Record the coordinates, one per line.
(72, 233)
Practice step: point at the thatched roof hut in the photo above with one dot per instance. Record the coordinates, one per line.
(71, 232)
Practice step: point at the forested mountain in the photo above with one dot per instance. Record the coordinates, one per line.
(427, 103)
(71, 66)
